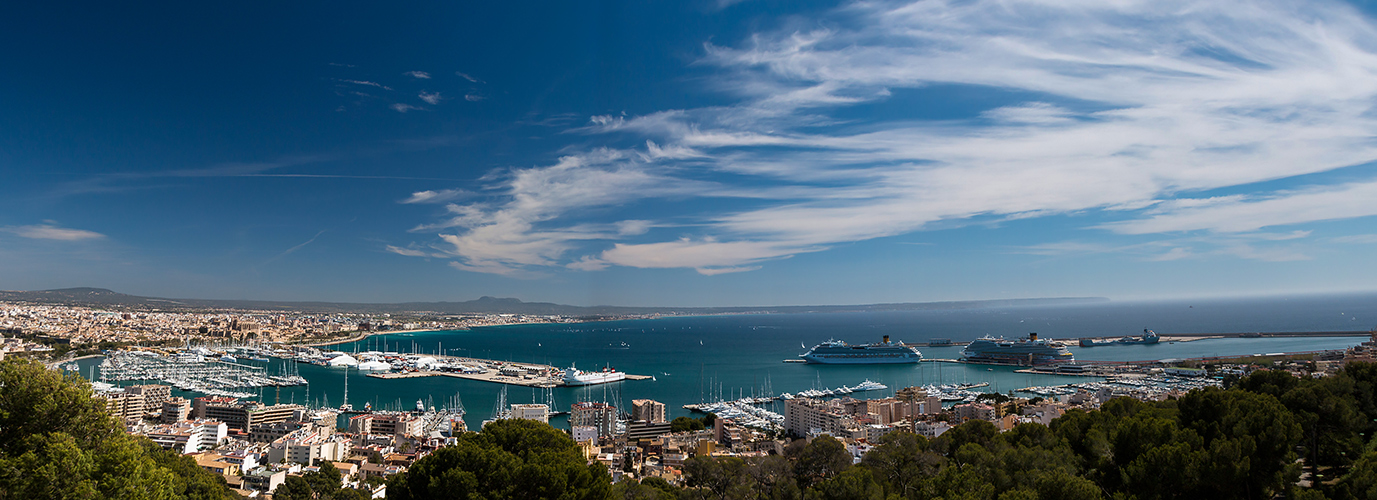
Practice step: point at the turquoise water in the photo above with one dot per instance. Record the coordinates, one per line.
(696, 359)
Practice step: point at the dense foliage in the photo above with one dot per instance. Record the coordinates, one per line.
(508, 459)
(322, 484)
(689, 424)
(57, 441)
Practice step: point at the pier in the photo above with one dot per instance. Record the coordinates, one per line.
(501, 372)
(545, 381)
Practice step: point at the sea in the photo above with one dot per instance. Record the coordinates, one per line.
(695, 359)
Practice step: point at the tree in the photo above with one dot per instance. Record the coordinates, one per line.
(821, 459)
(902, 461)
(629, 489)
(508, 459)
(853, 484)
(685, 424)
(724, 477)
(56, 441)
(293, 488)
(774, 478)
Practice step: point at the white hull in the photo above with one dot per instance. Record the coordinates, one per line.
(595, 378)
(840, 360)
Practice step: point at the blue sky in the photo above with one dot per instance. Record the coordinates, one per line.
(689, 153)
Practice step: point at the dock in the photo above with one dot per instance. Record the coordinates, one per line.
(501, 372)
(484, 377)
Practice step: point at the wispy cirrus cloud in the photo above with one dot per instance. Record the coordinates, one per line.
(1250, 213)
(1129, 109)
(440, 196)
(420, 75)
(51, 231)
(366, 83)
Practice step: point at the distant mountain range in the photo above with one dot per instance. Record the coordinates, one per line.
(108, 298)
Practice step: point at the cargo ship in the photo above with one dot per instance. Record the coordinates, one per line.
(884, 352)
(1028, 351)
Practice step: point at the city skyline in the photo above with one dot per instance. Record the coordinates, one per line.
(712, 153)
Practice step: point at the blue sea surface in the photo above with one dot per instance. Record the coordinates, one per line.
(706, 358)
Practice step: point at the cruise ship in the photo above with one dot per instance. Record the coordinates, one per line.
(572, 376)
(838, 352)
(1029, 351)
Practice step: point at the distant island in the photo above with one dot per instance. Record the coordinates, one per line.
(100, 297)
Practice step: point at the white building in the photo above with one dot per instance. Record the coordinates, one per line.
(188, 436)
(537, 412)
(931, 430)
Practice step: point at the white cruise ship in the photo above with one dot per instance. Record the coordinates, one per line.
(572, 376)
(838, 352)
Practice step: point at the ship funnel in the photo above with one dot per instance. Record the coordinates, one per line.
(1033, 336)
(886, 339)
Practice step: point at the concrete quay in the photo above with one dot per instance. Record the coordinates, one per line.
(526, 380)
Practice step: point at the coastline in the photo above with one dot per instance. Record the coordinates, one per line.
(370, 334)
(54, 364)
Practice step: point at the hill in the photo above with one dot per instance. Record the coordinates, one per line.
(100, 297)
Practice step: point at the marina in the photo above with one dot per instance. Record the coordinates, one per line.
(193, 371)
(699, 360)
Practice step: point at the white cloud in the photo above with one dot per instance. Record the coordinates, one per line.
(1240, 214)
(367, 83)
(473, 97)
(440, 196)
(1032, 113)
(402, 108)
(628, 227)
(510, 236)
(1356, 238)
(1176, 253)
(418, 75)
(431, 97)
(467, 77)
(1139, 105)
(588, 263)
(52, 232)
(700, 254)
(409, 252)
(714, 271)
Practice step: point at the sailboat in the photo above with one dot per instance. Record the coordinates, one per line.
(346, 406)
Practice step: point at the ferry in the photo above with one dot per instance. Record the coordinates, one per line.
(1029, 351)
(884, 352)
(572, 376)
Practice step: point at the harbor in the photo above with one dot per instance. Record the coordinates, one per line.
(196, 370)
(679, 361)
(217, 371)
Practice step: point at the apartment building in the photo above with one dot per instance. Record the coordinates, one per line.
(600, 415)
(804, 416)
(537, 412)
(386, 424)
(186, 436)
(648, 410)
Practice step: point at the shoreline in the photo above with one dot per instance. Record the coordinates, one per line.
(54, 364)
(370, 334)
